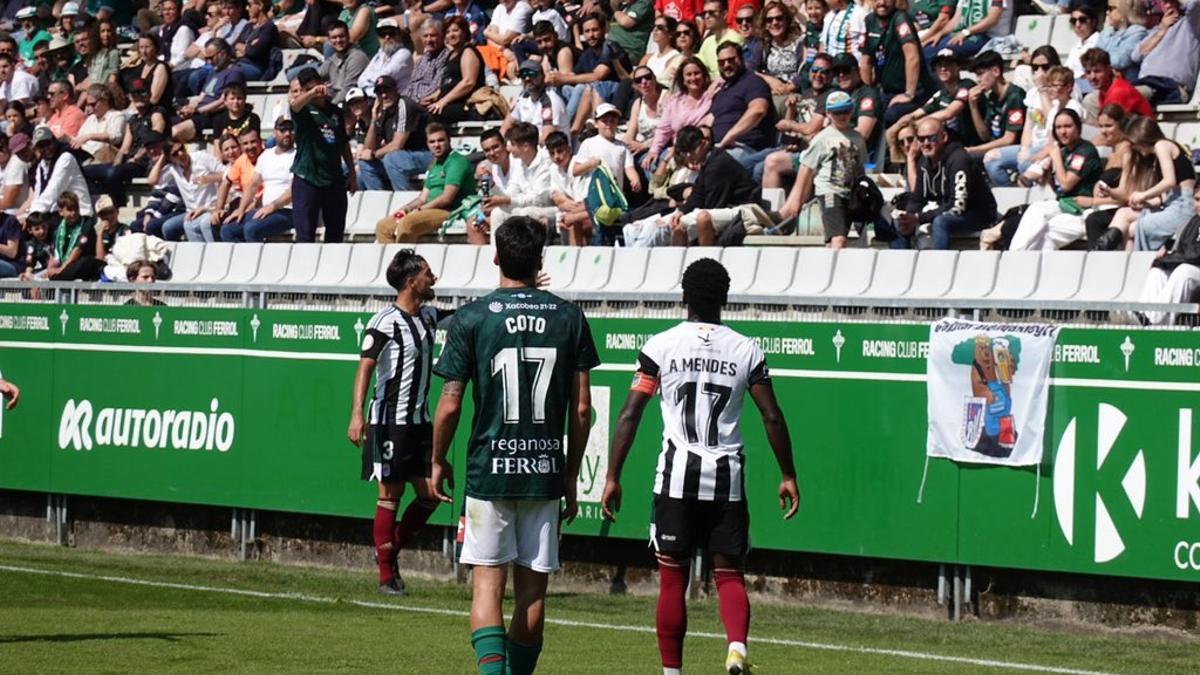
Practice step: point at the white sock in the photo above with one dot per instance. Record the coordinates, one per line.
(672, 671)
(738, 647)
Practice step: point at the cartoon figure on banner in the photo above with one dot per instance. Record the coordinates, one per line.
(987, 420)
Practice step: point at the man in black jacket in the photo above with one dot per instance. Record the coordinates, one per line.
(941, 172)
(1175, 274)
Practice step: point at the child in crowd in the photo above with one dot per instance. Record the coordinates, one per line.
(36, 246)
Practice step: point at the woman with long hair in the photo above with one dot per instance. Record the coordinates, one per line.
(145, 65)
(1086, 27)
(643, 116)
(1156, 212)
(687, 39)
(1111, 126)
(1075, 170)
(782, 49)
(689, 103)
(1031, 159)
(666, 60)
(463, 74)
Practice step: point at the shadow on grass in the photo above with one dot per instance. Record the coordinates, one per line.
(83, 637)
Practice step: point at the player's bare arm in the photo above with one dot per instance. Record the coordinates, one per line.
(445, 422)
(627, 425)
(9, 391)
(781, 444)
(358, 424)
(579, 425)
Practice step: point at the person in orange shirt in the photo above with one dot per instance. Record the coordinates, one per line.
(239, 179)
(66, 118)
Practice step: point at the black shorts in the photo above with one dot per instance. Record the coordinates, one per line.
(683, 525)
(834, 219)
(406, 452)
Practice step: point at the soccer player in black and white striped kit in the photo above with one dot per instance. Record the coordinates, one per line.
(396, 435)
(703, 369)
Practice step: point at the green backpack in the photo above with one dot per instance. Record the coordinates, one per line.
(605, 202)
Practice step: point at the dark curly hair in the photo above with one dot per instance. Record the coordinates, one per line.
(705, 284)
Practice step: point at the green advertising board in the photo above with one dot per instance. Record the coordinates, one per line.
(248, 408)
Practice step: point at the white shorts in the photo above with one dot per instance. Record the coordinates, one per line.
(500, 532)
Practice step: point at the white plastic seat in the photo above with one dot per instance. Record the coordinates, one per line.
(486, 275)
(363, 267)
(975, 274)
(813, 271)
(664, 269)
(332, 266)
(1103, 275)
(893, 273)
(302, 265)
(459, 266)
(215, 266)
(776, 267)
(628, 269)
(1008, 197)
(1033, 31)
(1062, 36)
(933, 275)
(353, 204)
(273, 263)
(774, 197)
(559, 263)
(186, 260)
(853, 270)
(742, 264)
(691, 255)
(243, 265)
(385, 259)
(1016, 275)
(1135, 275)
(374, 205)
(1188, 133)
(592, 268)
(1060, 275)
(434, 255)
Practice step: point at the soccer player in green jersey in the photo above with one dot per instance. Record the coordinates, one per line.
(527, 354)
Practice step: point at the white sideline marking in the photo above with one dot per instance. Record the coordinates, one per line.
(901, 653)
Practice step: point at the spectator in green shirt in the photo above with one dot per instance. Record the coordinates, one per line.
(893, 62)
(448, 182)
(997, 105)
(631, 26)
(323, 171)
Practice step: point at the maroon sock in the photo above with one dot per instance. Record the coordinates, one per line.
(385, 551)
(411, 522)
(734, 604)
(671, 615)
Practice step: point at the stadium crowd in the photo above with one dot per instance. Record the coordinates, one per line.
(644, 122)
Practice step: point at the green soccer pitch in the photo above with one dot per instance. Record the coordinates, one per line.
(65, 610)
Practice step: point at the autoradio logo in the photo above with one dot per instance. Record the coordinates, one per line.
(1107, 542)
(82, 428)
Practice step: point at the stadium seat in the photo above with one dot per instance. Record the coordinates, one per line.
(893, 273)
(742, 263)
(814, 269)
(693, 254)
(372, 206)
(776, 267)
(244, 263)
(975, 274)
(774, 197)
(1061, 272)
(486, 275)
(273, 107)
(1016, 275)
(1062, 36)
(1008, 197)
(934, 274)
(363, 268)
(215, 266)
(1040, 193)
(459, 266)
(1135, 275)
(628, 269)
(379, 279)
(1103, 276)
(852, 272)
(592, 268)
(332, 266)
(434, 255)
(664, 270)
(273, 263)
(1188, 133)
(1033, 31)
(186, 260)
(257, 103)
(302, 264)
(559, 263)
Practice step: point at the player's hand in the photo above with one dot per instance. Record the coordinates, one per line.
(10, 391)
(789, 497)
(570, 504)
(543, 280)
(442, 471)
(356, 429)
(610, 502)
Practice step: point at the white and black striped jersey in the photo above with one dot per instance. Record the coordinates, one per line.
(402, 346)
(703, 371)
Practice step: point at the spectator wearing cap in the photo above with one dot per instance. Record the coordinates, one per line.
(868, 105)
(319, 185)
(15, 191)
(57, 172)
(32, 33)
(252, 46)
(803, 118)
(68, 20)
(448, 182)
(195, 175)
(65, 116)
(342, 69)
(356, 112)
(973, 24)
(530, 190)
(476, 18)
(1170, 54)
(173, 35)
(394, 151)
(147, 67)
(197, 116)
(595, 71)
(830, 168)
(15, 83)
(892, 61)
(948, 104)
(603, 149)
(537, 105)
(997, 106)
(510, 20)
(1109, 88)
(394, 59)
(428, 71)
(267, 201)
(743, 116)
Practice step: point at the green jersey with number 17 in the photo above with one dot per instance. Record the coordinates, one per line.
(520, 348)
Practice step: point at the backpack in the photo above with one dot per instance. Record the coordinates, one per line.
(865, 202)
(605, 202)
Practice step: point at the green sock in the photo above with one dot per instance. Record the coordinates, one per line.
(489, 644)
(522, 659)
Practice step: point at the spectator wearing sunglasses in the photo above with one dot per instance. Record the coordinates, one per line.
(948, 104)
(717, 33)
(394, 59)
(537, 105)
(394, 150)
(1087, 29)
(752, 46)
(1124, 28)
(666, 59)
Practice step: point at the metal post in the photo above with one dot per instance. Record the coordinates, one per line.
(233, 525)
(958, 593)
(967, 590)
(941, 585)
(51, 513)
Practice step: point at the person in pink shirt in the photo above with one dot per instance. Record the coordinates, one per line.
(65, 118)
(688, 104)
